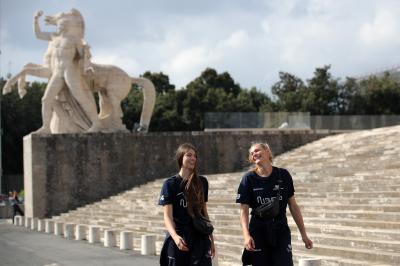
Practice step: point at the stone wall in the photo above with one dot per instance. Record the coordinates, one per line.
(6, 211)
(66, 171)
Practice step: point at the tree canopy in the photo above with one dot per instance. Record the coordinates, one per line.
(184, 109)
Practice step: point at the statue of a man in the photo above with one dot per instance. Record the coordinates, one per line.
(65, 59)
(68, 104)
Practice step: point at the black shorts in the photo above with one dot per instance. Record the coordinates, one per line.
(198, 254)
(278, 254)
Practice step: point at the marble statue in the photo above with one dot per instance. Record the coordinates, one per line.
(68, 104)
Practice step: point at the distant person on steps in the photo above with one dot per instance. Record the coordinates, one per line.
(14, 201)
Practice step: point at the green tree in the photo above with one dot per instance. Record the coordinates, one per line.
(321, 97)
(132, 107)
(19, 118)
(168, 112)
(213, 92)
(381, 95)
(350, 100)
(160, 81)
(290, 92)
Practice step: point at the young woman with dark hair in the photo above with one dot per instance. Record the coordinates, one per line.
(183, 197)
(267, 239)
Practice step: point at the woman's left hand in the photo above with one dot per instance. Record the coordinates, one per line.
(307, 242)
(212, 249)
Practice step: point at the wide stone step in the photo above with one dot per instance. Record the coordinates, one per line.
(371, 215)
(232, 254)
(334, 230)
(350, 231)
(391, 258)
(233, 208)
(354, 223)
(334, 214)
(329, 239)
(373, 194)
(349, 188)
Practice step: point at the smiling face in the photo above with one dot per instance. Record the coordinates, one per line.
(189, 160)
(260, 154)
(186, 157)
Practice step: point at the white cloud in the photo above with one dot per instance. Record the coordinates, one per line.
(383, 28)
(252, 40)
(236, 40)
(129, 65)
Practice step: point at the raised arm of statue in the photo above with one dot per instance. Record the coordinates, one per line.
(38, 32)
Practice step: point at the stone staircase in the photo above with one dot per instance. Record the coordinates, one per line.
(348, 187)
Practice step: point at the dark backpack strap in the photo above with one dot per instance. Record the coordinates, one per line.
(279, 183)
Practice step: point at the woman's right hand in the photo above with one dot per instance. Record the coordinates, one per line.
(180, 243)
(249, 243)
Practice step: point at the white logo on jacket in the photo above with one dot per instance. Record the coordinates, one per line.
(266, 200)
(183, 203)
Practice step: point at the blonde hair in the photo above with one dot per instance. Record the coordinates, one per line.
(264, 146)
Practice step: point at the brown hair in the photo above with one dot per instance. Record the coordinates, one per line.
(193, 186)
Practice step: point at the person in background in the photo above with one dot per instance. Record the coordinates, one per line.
(267, 240)
(14, 201)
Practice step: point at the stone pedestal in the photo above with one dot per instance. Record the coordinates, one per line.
(18, 220)
(34, 223)
(28, 221)
(80, 232)
(41, 225)
(58, 228)
(148, 245)
(94, 234)
(126, 240)
(69, 231)
(109, 238)
(49, 226)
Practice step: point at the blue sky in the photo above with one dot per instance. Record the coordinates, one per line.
(252, 40)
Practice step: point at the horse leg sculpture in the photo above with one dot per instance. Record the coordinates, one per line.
(149, 99)
(29, 69)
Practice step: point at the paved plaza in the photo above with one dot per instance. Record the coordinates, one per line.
(21, 246)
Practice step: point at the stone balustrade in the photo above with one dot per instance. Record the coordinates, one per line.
(80, 232)
(58, 228)
(41, 225)
(49, 226)
(69, 230)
